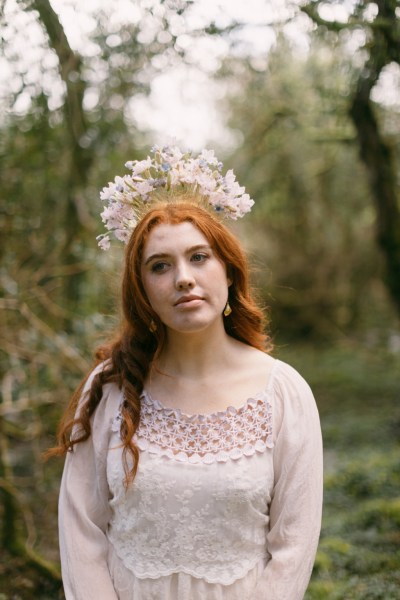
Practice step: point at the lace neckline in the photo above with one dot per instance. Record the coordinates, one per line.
(205, 438)
(199, 417)
(180, 414)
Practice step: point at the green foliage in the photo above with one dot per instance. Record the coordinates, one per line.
(312, 230)
(374, 475)
(313, 223)
(379, 24)
(357, 395)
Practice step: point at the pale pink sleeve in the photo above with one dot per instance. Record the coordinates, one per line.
(296, 506)
(84, 509)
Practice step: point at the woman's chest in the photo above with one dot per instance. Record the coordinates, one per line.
(165, 487)
(195, 462)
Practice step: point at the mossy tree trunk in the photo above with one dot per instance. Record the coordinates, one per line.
(383, 47)
(80, 153)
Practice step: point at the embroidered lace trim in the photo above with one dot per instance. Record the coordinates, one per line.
(216, 437)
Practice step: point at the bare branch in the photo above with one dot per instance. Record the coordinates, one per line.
(311, 10)
(70, 64)
(65, 348)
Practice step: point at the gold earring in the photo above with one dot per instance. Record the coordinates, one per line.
(227, 310)
(152, 326)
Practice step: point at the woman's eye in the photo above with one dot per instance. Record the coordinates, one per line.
(199, 257)
(159, 267)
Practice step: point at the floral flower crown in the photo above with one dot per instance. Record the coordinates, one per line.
(130, 197)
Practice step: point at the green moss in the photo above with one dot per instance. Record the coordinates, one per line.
(380, 514)
(375, 474)
(357, 394)
(336, 546)
(320, 590)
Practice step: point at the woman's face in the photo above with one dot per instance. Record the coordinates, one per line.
(185, 282)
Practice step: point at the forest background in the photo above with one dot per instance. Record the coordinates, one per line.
(302, 99)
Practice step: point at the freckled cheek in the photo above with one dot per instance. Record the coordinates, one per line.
(149, 290)
(157, 294)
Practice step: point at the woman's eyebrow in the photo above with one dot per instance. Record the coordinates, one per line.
(154, 256)
(166, 255)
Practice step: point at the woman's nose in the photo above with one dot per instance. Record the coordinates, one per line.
(184, 278)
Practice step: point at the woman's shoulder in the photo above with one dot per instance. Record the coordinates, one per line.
(295, 411)
(290, 392)
(111, 394)
(280, 377)
(98, 368)
(286, 374)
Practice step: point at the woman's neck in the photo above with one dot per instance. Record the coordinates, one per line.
(195, 355)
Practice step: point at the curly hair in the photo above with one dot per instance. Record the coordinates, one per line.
(130, 354)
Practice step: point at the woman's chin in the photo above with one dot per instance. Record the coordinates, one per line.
(194, 323)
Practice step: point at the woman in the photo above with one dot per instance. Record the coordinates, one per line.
(194, 469)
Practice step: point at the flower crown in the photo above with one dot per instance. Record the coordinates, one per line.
(130, 197)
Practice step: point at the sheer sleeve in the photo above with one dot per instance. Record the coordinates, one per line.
(84, 510)
(296, 506)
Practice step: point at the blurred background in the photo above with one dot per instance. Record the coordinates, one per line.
(302, 99)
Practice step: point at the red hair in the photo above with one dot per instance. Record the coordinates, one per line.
(132, 352)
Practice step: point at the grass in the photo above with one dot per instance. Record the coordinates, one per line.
(358, 395)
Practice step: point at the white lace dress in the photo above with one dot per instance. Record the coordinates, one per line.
(224, 506)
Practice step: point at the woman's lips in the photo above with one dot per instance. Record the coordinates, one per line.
(189, 301)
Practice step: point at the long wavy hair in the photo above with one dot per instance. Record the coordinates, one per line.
(129, 356)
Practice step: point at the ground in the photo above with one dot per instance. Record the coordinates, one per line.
(358, 395)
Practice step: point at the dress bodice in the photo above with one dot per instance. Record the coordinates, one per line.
(219, 436)
(199, 502)
(224, 506)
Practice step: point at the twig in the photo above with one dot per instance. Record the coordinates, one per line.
(69, 352)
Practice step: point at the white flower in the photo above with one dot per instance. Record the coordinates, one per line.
(218, 199)
(143, 188)
(119, 183)
(207, 183)
(104, 242)
(127, 196)
(209, 156)
(245, 204)
(171, 155)
(229, 178)
(111, 216)
(137, 167)
(107, 192)
(122, 235)
(175, 176)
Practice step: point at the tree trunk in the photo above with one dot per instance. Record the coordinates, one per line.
(80, 156)
(378, 159)
(375, 152)
(377, 155)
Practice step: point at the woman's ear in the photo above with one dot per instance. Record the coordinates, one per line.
(229, 275)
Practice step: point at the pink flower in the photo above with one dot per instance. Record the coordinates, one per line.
(104, 243)
(126, 196)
